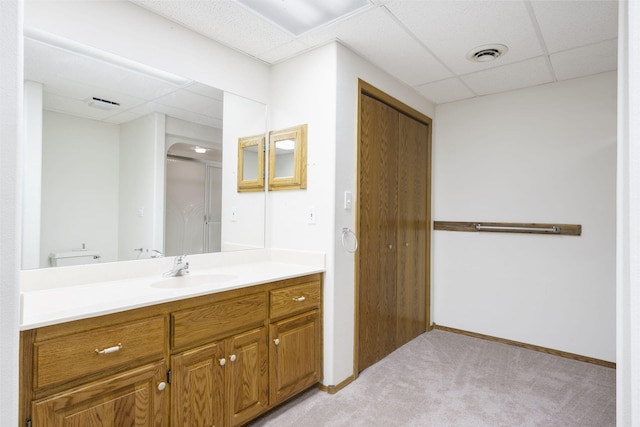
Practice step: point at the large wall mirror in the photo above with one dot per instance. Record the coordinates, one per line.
(99, 138)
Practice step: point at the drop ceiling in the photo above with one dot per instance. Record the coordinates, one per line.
(70, 81)
(424, 43)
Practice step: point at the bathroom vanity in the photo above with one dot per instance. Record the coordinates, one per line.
(204, 354)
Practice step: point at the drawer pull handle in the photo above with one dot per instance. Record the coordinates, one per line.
(299, 299)
(276, 341)
(110, 349)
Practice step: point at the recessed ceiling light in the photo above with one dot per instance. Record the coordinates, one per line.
(487, 53)
(300, 16)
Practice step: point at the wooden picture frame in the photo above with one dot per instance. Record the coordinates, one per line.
(251, 163)
(288, 158)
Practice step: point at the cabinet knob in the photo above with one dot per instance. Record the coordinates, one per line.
(223, 361)
(162, 386)
(232, 357)
(390, 246)
(299, 299)
(406, 244)
(276, 341)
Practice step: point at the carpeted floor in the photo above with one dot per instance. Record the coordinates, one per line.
(446, 379)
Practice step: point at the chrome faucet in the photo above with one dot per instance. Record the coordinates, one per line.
(180, 267)
(156, 254)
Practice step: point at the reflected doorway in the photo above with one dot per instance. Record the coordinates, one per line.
(193, 189)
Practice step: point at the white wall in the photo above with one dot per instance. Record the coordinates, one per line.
(10, 172)
(141, 211)
(541, 155)
(32, 183)
(242, 117)
(320, 88)
(79, 186)
(628, 248)
(352, 67)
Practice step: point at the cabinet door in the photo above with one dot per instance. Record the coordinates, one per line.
(247, 372)
(296, 355)
(197, 389)
(130, 399)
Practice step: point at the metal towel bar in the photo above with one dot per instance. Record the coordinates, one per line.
(554, 229)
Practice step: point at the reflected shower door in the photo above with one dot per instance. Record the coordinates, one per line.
(193, 207)
(213, 203)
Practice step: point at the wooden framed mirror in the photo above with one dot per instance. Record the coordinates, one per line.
(251, 163)
(288, 158)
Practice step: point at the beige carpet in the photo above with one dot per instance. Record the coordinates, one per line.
(446, 379)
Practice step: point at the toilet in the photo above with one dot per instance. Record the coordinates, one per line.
(79, 257)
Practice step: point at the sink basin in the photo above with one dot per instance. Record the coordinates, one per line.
(191, 281)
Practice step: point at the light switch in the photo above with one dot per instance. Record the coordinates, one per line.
(311, 215)
(234, 214)
(347, 200)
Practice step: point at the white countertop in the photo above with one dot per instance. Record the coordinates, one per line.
(60, 302)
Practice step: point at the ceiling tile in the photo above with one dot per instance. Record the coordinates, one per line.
(224, 21)
(569, 24)
(282, 52)
(450, 29)
(204, 90)
(375, 36)
(531, 72)
(445, 91)
(587, 60)
(189, 101)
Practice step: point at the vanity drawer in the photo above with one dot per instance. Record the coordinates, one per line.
(217, 320)
(295, 299)
(66, 358)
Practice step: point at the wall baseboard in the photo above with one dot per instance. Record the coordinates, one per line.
(333, 389)
(529, 346)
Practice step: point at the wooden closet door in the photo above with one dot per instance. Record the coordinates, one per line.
(413, 166)
(378, 213)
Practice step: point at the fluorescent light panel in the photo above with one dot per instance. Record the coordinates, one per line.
(300, 16)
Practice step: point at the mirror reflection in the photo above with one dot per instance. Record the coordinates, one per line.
(251, 163)
(193, 200)
(99, 138)
(284, 158)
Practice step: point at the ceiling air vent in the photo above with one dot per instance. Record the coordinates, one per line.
(103, 104)
(487, 53)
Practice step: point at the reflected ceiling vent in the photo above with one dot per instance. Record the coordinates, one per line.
(487, 52)
(103, 104)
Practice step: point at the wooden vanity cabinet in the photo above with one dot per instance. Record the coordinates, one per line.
(107, 371)
(296, 340)
(215, 360)
(133, 398)
(224, 381)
